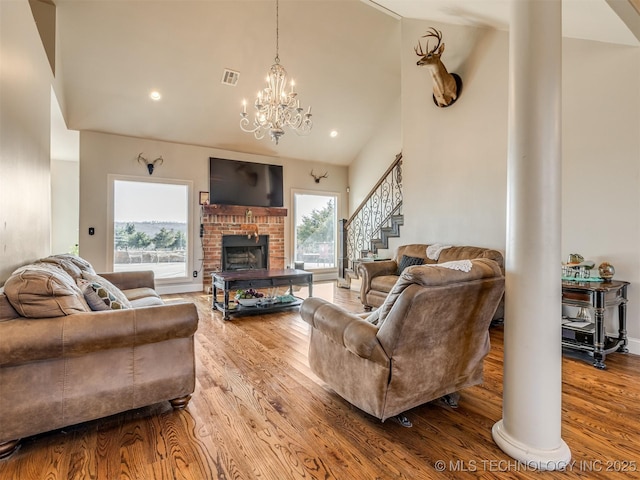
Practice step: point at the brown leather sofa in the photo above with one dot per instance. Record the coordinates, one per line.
(430, 340)
(62, 363)
(379, 277)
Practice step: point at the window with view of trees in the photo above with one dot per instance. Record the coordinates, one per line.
(316, 230)
(150, 227)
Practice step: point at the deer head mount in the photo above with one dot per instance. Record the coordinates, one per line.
(446, 86)
(318, 177)
(150, 165)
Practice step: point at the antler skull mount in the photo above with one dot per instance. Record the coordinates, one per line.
(150, 165)
(318, 177)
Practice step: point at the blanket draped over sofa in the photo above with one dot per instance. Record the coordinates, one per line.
(76, 346)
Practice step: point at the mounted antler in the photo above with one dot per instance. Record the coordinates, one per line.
(446, 86)
(318, 177)
(150, 165)
(432, 32)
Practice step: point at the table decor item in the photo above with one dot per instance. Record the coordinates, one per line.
(606, 271)
(249, 297)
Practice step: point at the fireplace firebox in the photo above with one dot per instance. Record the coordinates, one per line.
(245, 252)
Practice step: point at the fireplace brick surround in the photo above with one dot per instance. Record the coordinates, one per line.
(219, 220)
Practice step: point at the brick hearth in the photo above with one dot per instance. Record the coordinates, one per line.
(219, 220)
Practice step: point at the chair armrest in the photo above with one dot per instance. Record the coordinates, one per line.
(369, 270)
(29, 340)
(131, 280)
(344, 328)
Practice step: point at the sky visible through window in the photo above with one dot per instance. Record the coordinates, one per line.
(149, 201)
(305, 204)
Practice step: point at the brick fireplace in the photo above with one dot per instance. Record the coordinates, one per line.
(243, 222)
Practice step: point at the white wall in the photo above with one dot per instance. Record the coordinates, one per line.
(103, 154)
(455, 158)
(601, 162)
(65, 205)
(376, 156)
(25, 82)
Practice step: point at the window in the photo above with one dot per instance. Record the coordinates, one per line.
(150, 227)
(315, 230)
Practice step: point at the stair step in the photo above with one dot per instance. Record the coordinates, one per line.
(392, 231)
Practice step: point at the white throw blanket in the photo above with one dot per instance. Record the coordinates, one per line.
(433, 251)
(462, 265)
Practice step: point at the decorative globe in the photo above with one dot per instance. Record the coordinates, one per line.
(606, 271)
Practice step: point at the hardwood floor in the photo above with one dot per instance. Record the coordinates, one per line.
(259, 413)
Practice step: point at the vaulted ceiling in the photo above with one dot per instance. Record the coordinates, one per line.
(343, 54)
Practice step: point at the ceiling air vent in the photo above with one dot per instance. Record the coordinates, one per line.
(230, 77)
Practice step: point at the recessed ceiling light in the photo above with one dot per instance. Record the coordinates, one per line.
(333, 134)
(155, 95)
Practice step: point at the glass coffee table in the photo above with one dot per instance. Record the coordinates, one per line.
(232, 280)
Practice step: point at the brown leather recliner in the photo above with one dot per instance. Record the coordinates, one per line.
(380, 276)
(430, 341)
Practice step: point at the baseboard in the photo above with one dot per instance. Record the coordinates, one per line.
(634, 346)
(320, 276)
(179, 288)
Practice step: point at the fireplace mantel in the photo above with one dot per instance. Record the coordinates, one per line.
(240, 210)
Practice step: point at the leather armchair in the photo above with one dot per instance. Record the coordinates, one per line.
(378, 278)
(430, 340)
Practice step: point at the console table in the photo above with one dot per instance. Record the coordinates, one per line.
(259, 278)
(598, 296)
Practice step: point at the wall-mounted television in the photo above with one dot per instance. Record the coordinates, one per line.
(234, 182)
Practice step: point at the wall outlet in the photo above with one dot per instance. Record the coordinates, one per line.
(195, 274)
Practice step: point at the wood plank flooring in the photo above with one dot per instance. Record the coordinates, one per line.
(259, 413)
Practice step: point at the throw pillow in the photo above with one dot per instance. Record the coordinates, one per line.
(407, 261)
(110, 287)
(98, 297)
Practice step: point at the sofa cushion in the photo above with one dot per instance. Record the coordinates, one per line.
(407, 261)
(110, 287)
(384, 283)
(43, 290)
(413, 250)
(146, 302)
(467, 252)
(143, 297)
(138, 293)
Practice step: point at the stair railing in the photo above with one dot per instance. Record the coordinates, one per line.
(376, 212)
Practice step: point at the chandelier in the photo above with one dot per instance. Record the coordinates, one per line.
(276, 107)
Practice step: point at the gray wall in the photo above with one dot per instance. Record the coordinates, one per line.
(25, 83)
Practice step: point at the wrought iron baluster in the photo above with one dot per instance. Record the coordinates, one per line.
(375, 212)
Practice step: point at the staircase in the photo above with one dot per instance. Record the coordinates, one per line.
(387, 232)
(376, 219)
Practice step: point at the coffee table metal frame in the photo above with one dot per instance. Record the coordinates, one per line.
(260, 278)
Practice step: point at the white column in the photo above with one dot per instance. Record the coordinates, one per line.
(530, 427)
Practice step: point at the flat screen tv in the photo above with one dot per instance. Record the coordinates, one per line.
(234, 182)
